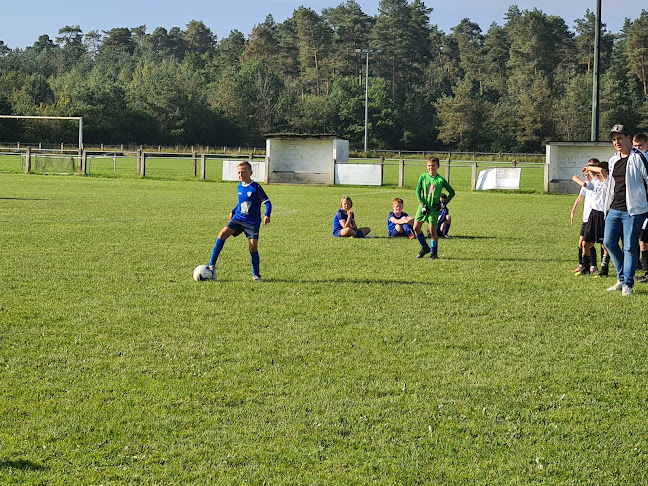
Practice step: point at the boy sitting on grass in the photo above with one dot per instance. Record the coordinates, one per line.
(344, 224)
(398, 222)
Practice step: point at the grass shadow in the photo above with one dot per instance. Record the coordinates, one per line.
(21, 465)
(341, 281)
(22, 198)
(470, 237)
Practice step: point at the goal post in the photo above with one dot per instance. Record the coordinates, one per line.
(79, 119)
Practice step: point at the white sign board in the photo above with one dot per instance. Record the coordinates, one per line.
(499, 179)
(358, 174)
(258, 170)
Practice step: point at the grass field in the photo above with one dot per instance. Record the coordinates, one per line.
(353, 363)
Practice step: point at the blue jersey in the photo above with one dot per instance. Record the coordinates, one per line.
(391, 226)
(250, 198)
(340, 216)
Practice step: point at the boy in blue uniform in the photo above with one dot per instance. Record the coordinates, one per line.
(445, 220)
(344, 225)
(245, 218)
(399, 223)
(428, 192)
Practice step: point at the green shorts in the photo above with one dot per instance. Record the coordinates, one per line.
(431, 217)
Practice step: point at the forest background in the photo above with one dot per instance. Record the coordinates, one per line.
(510, 89)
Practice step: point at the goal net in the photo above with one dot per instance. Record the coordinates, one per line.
(52, 163)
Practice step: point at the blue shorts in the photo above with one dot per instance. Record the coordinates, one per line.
(338, 234)
(250, 230)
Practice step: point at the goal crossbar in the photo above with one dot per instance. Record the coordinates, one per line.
(34, 117)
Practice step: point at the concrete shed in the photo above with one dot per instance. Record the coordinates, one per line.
(565, 159)
(305, 159)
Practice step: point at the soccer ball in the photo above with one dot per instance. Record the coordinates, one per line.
(202, 272)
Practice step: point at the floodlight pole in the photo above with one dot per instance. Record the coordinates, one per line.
(368, 52)
(595, 85)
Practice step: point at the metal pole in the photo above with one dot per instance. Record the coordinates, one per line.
(366, 102)
(81, 133)
(595, 85)
(368, 52)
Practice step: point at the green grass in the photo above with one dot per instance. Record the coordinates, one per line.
(353, 363)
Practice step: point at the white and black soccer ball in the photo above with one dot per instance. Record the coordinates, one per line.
(202, 272)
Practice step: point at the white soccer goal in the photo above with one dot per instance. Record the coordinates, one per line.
(52, 163)
(79, 119)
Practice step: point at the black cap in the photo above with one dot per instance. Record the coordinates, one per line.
(619, 129)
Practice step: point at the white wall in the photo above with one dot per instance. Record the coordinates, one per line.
(307, 160)
(258, 170)
(565, 159)
(358, 174)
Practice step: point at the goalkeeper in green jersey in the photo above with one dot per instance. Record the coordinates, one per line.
(428, 192)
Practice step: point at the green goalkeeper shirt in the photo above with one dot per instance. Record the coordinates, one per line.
(429, 189)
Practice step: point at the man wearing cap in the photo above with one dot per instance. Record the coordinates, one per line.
(626, 207)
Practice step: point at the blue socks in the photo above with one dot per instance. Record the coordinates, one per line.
(421, 239)
(255, 263)
(218, 246)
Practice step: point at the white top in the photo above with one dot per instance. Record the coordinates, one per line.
(587, 202)
(598, 201)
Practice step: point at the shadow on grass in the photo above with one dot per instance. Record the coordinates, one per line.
(459, 237)
(340, 281)
(470, 237)
(21, 464)
(22, 198)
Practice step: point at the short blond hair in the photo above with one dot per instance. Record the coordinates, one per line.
(397, 200)
(245, 164)
(347, 198)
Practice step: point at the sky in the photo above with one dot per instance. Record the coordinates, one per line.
(24, 21)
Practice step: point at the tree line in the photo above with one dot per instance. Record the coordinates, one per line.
(510, 89)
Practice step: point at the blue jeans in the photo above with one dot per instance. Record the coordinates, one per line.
(620, 225)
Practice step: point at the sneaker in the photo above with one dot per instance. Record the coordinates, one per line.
(584, 271)
(627, 291)
(257, 278)
(424, 251)
(593, 270)
(603, 272)
(411, 236)
(616, 287)
(578, 269)
(213, 271)
(434, 256)
(447, 237)
(642, 279)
